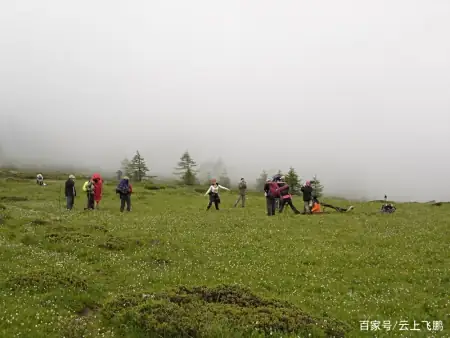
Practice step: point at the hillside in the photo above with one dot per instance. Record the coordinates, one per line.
(171, 269)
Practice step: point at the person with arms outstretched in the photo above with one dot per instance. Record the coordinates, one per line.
(213, 193)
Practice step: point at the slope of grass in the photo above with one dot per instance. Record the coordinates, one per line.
(171, 269)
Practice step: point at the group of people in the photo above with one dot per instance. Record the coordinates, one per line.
(276, 191)
(94, 192)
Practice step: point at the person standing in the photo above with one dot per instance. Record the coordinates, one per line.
(125, 189)
(98, 189)
(213, 193)
(272, 191)
(286, 197)
(39, 179)
(307, 197)
(242, 193)
(70, 192)
(89, 187)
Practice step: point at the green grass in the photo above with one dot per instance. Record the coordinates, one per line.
(170, 269)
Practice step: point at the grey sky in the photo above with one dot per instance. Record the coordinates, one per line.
(355, 91)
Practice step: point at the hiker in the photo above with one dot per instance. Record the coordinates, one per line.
(70, 192)
(272, 191)
(286, 197)
(277, 178)
(242, 192)
(89, 187)
(39, 179)
(125, 189)
(98, 189)
(387, 208)
(213, 193)
(307, 197)
(317, 207)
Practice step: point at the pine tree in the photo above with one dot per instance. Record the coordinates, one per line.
(186, 169)
(119, 174)
(224, 179)
(293, 181)
(137, 167)
(317, 187)
(125, 167)
(261, 181)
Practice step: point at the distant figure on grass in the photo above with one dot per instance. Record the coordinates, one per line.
(89, 187)
(70, 192)
(307, 197)
(213, 193)
(98, 188)
(242, 193)
(286, 197)
(272, 191)
(39, 179)
(317, 207)
(387, 208)
(125, 189)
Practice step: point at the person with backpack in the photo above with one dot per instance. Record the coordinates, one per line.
(286, 197)
(307, 191)
(125, 189)
(213, 193)
(272, 191)
(39, 179)
(70, 192)
(89, 187)
(242, 193)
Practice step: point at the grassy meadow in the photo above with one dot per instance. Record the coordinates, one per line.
(171, 269)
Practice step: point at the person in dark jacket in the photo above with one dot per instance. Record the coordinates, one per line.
(272, 191)
(307, 197)
(286, 197)
(70, 192)
(125, 189)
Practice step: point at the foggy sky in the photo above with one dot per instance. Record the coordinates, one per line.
(357, 92)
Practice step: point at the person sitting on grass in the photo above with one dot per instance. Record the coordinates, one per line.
(213, 193)
(317, 207)
(125, 189)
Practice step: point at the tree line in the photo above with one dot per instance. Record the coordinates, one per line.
(187, 172)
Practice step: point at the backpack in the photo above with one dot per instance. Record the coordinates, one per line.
(274, 190)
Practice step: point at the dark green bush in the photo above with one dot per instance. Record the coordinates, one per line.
(206, 312)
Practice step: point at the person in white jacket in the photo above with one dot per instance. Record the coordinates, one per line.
(213, 193)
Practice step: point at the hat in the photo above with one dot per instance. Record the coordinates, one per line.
(126, 178)
(282, 178)
(72, 177)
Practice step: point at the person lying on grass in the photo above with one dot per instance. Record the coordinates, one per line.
(317, 207)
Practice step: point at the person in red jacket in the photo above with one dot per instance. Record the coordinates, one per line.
(98, 189)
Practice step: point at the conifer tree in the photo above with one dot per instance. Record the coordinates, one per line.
(186, 169)
(261, 181)
(138, 168)
(293, 181)
(317, 187)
